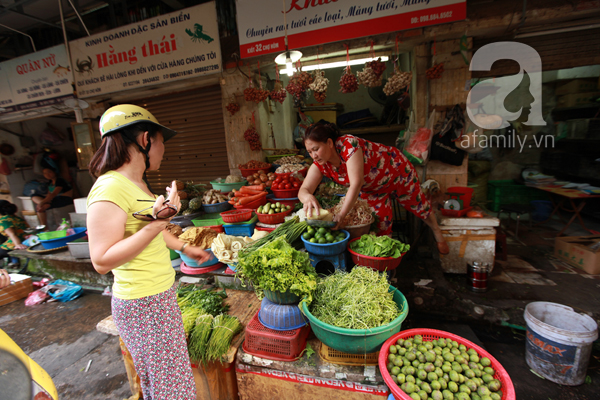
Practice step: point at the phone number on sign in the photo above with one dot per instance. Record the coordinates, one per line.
(431, 17)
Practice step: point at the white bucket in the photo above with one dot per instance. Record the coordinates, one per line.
(559, 342)
(80, 205)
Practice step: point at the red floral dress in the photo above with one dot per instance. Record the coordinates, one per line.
(388, 174)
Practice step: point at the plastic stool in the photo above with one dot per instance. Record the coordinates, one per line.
(338, 260)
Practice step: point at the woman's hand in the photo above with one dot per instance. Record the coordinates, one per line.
(339, 220)
(309, 204)
(201, 256)
(4, 278)
(173, 198)
(20, 246)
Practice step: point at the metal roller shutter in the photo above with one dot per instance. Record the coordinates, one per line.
(198, 152)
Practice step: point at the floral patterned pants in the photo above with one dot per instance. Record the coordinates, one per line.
(152, 329)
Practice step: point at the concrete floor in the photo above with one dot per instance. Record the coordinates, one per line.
(62, 337)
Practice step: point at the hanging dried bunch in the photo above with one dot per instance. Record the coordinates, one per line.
(299, 83)
(348, 82)
(250, 93)
(278, 93)
(370, 76)
(261, 95)
(252, 136)
(233, 107)
(435, 72)
(319, 86)
(397, 81)
(377, 66)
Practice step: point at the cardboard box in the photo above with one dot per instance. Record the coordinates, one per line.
(16, 291)
(576, 86)
(576, 99)
(576, 251)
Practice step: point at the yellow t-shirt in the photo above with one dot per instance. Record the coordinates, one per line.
(150, 272)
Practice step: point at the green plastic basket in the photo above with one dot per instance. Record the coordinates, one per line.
(509, 192)
(52, 235)
(271, 159)
(208, 220)
(282, 298)
(228, 187)
(358, 341)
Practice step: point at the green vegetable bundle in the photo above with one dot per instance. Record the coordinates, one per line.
(198, 341)
(193, 301)
(279, 267)
(359, 299)
(224, 328)
(379, 246)
(290, 229)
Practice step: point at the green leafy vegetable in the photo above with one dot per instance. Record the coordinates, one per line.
(279, 267)
(194, 301)
(356, 300)
(198, 341)
(379, 246)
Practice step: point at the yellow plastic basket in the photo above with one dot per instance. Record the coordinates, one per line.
(337, 357)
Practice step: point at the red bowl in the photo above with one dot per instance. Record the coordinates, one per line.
(247, 172)
(302, 172)
(264, 228)
(508, 390)
(272, 219)
(376, 263)
(239, 215)
(254, 205)
(288, 202)
(216, 228)
(285, 194)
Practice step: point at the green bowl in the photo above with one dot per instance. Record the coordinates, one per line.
(358, 341)
(228, 187)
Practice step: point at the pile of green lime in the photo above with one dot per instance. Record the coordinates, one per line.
(441, 370)
(323, 235)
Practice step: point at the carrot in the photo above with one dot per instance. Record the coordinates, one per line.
(250, 191)
(250, 199)
(259, 188)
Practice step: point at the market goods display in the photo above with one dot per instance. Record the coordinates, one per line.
(251, 136)
(290, 159)
(289, 168)
(377, 66)
(250, 94)
(290, 229)
(261, 177)
(213, 196)
(330, 189)
(193, 301)
(319, 86)
(431, 364)
(370, 76)
(323, 235)
(348, 82)
(435, 72)
(278, 152)
(278, 267)
(233, 108)
(379, 246)
(397, 81)
(360, 214)
(187, 192)
(299, 83)
(197, 236)
(224, 328)
(233, 179)
(226, 247)
(286, 182)
(248, 195)
(359, 299)
(174, 229)
(273, 208)
(253, 164)
(278, 94)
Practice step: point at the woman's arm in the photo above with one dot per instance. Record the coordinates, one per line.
(108, 249)
(50, 196)
(356, 167)
(10, 232)
(305, 195)
(194, 252)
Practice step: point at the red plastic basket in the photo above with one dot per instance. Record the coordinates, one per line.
(216, 228)
(456, 213)
(247, 172)
(508, 390)
(254, 205)
(302, 172)
(263, 342)
(376, 263)
(285, 194)
(287, 202)
(264, 228)
(273, 219)
(465, 194)
(241, 215)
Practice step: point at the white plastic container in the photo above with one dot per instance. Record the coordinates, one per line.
(27, 203)
(80, 205)
(559, 342)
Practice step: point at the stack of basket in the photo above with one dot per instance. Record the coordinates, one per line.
(239, 222)
(279, 330)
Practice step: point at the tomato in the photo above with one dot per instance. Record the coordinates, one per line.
(292, 179)
(296, 185)
(288, 186)
(274, 186)
(278, 179)
(285, 182)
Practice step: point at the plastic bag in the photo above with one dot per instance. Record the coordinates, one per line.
(419, 140)
(36, 297)
(64, 291)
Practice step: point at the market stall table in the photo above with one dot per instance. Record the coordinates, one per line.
(572, 196)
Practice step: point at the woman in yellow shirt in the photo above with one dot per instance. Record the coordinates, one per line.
(129, 238)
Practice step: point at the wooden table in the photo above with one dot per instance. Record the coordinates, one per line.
(572, 196)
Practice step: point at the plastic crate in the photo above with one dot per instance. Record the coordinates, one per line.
(208, 220)
(509, 192)
(508, 390)
(267, 343)
(241, 215)
(376, 263)
(217, 208)
(285, 194)
(240, 229)
(337, 357)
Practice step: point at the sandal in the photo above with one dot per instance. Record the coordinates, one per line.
(443, 248)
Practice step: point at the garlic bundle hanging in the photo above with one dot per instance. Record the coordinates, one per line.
(319, 86)
(367, 77)
(299, 83)
(397, 81)
(348, 82)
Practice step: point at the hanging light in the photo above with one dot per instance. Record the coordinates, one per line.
(336, 64)
(288, 58)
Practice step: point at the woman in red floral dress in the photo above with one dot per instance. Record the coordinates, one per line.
(375, 172)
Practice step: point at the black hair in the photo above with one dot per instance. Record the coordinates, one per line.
(7, 208)
(321, 132)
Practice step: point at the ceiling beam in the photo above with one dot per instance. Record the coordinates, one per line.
(43, 21)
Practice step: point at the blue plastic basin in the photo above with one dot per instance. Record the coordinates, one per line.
(61, 242)
(190, 262)
(280, 317)
(327, 249)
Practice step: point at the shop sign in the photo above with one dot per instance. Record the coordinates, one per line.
(35, 80)
(262, 29)
(170, 47)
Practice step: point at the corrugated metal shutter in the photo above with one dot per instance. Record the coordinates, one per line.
(557, 51)
(198, 152)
